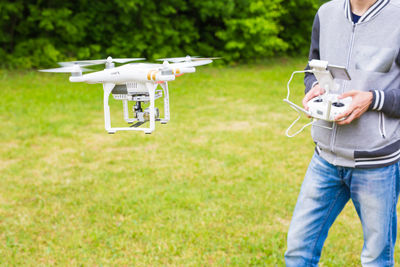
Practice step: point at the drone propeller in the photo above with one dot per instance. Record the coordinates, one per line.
(186, 59)
(108, 60)
(203, 61)
(74, 63)
(69, 69)
(178, 59)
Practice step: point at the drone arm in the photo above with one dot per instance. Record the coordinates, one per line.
(180, 71)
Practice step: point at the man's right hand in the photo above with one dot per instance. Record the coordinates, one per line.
(315, 91)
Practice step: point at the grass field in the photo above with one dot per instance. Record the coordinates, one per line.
(214, 187)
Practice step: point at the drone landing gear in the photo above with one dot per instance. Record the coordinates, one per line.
(108, 87)
(166, 118)
(142, 115)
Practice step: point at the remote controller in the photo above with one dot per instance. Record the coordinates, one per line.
(328, 106)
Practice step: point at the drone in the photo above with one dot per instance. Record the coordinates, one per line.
(136, 82)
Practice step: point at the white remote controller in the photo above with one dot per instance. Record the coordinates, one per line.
(328, 106)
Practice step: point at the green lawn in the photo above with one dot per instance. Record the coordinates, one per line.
(214, 187)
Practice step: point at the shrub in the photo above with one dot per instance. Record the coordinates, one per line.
(40, 33)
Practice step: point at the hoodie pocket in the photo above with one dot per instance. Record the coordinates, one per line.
(382, 128)
(374, 59)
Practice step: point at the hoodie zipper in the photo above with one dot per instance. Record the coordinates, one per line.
(345, 84)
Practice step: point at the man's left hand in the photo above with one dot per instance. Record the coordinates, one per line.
(360, 103)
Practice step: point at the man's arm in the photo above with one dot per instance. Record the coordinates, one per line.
(387, 101)
(312, 88)
(309, 79)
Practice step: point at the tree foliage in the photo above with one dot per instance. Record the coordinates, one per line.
(37, 33)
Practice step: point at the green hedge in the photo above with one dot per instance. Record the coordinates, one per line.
(42, 32)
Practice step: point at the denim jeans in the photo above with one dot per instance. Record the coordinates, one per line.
(325, 191)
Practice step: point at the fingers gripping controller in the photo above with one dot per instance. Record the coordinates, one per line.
(328, 105)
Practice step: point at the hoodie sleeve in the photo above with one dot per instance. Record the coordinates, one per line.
(387, 101)
(309, 78)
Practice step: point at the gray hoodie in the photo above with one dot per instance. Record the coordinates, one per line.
(370, 51)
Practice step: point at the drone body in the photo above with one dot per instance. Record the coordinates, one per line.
(135, 82)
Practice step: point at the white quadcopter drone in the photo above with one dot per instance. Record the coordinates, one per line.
(328, 105)
(133, 82)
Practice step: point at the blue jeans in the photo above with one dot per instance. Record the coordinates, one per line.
(325, 191)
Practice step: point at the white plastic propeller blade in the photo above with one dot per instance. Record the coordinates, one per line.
(100, 61)
(178, 59)
(205, 58)
(70, 69)
(193, 63)
(124, 60)
(73, 63)
(186, 59)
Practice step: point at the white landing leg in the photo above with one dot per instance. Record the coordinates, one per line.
(166, 103)
(107, 87)
(152, 90)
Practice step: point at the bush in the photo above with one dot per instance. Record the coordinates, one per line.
(40, 33)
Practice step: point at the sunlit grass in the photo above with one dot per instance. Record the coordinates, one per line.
(216, 186)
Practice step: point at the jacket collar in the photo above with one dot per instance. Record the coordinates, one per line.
(371, 12)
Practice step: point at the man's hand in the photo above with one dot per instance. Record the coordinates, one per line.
(315, 91)
(360, 103)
